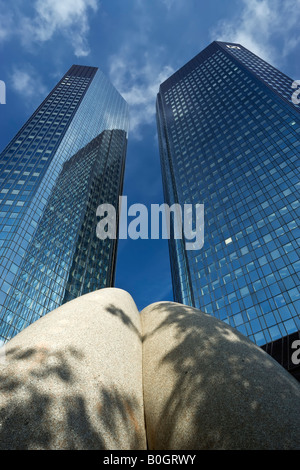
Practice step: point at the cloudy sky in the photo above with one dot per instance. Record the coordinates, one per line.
(137, 44)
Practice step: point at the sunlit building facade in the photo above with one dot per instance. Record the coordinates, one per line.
(229, 139)
(67, 158)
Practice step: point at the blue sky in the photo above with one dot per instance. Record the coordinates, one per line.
(137, 44)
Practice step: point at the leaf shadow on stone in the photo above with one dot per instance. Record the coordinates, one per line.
(219, 379)
(126, 320)
(43, 405)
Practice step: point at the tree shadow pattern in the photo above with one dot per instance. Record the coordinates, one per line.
(219, 397)
(45, 406)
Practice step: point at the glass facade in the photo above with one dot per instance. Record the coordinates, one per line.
(68, 156)
(229, 139)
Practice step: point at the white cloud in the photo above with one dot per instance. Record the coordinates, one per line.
(175, 5)
(70, 18)
(28, 85)
(6, 25)
(137, 74)
(138, 82)
(168, 3)
(260, 23)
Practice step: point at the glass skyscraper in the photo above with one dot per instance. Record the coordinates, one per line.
(229, 139)
(67, 159)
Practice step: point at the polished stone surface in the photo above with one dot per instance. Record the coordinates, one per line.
(73, 379)
(87, 375)
(208, 387)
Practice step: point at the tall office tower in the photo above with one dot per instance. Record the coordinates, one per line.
(67, 159)
(229, 139)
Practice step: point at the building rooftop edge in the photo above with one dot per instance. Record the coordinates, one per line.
(203, 52)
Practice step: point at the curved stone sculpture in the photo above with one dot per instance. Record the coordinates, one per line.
(208, 387)
(80, 378)
(73, 379)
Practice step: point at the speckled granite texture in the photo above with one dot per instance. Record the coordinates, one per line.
(73, 379)
(85, 376)
(208, 387)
